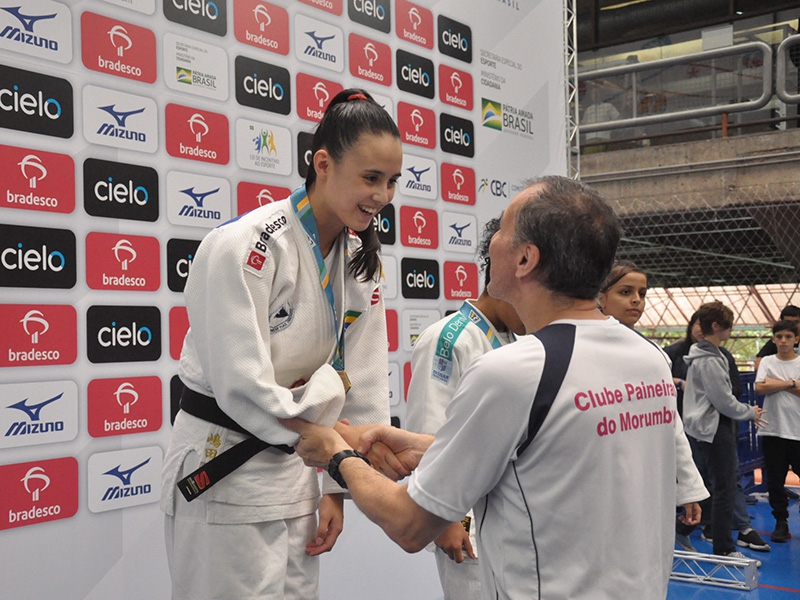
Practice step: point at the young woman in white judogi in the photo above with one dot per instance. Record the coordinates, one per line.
(285, 307)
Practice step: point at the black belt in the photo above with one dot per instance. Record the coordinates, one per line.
(206, 408)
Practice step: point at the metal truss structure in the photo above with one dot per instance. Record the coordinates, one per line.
(709, 569)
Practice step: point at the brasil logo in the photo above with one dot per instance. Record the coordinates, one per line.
(492, 114)
(183, 75)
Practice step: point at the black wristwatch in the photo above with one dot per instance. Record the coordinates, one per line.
(333, 465)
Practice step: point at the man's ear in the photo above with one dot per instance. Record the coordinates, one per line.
(527, 260)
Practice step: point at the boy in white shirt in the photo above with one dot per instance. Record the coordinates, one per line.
(777, 379)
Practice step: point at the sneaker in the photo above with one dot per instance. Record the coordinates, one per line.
(781, 533)
(736, 554)
(750, 539)
(684, 542)
(705, 535)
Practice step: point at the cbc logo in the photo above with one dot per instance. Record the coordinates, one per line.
(496, 187)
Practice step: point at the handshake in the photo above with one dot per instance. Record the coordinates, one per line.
(392, 451)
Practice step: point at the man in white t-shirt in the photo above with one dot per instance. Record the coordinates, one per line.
(777, 378)
(575, 427)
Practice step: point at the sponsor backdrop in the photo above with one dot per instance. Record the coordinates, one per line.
(128, 129)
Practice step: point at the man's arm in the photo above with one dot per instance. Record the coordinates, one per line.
(383, 501)
(770, 385)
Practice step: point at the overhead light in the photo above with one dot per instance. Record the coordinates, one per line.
(738, 12)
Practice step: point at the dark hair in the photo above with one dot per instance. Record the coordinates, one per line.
(618, 271)
(789, 311)
(484, 262)
(350, 114)
(714, 312)
(784, 325)
(576, 232)
(688, 341)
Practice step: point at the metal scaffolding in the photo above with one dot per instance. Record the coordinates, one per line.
(710, 569)
(571, 89)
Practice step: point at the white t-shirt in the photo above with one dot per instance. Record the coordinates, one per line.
(783, 408)
(587, 510)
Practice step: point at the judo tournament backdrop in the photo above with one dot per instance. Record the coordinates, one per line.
(128, 130)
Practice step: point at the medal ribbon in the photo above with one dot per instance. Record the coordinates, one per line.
(478, 319)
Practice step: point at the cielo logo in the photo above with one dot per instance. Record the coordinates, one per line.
(118, 119)
(44, 33)
(455, 87)
(460, 232)
(261, 24)
(35, 103)
(419, 227)
(419, 278)
(37, 257)
(120, 190)
(123, 406)
(123, 333)
(455, 39)
(414, 23)
(422, 180)
(117, 262)
(458, 184)
(197, 134)
(313, 95)
(42, 413)
(417, 125)
(40, 491)
(205, 15)
(415, 74)
(197, 200)
(457, 135)
(263, 86)
(37, 335)
(460, 280)
(41, 181)
(384, 224)
(123, 478)
(126, 50)
(180, 254)
(372, 13)
(370, 59)
(319, 43)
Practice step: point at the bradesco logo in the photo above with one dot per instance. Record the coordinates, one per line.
(263, 86)
(458, 184)
(123, 333)
(205, 15)
(37, 28)
(455, 39)
(180, 254)
(39, 491)
(460, 232)
(120, 190)
(415, 74)
(118, 48)
(121, 120)
(123, 406)
(419, 227)
(250, 196)
(384, 224)
(460, 280)
(376, 14)
(419, 178)
(197, 134)
(414, 23)
(124, 478)
(122, 262)
(455, 87)
(369, 59)
(38, 413)
(197, 200)
(37, 257)
(318, 43)
(37, 180)
(332, 6)
(313, 95)
(36, 335)
(457, 135)
(35, 103)
(262, 25)
(178, 328)
(419, 278)
(417, 125)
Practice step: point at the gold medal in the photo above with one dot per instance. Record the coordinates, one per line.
(345, 380)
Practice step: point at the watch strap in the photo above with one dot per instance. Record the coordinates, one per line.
(336, 460)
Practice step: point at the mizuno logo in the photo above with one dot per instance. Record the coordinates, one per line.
(33, 410)
(27, 21)
(319, 40)
(417, 174)
(125, 476)
(198, 197)
(459, 230)
(120, 116)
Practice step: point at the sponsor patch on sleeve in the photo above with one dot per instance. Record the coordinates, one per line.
(264, 237)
